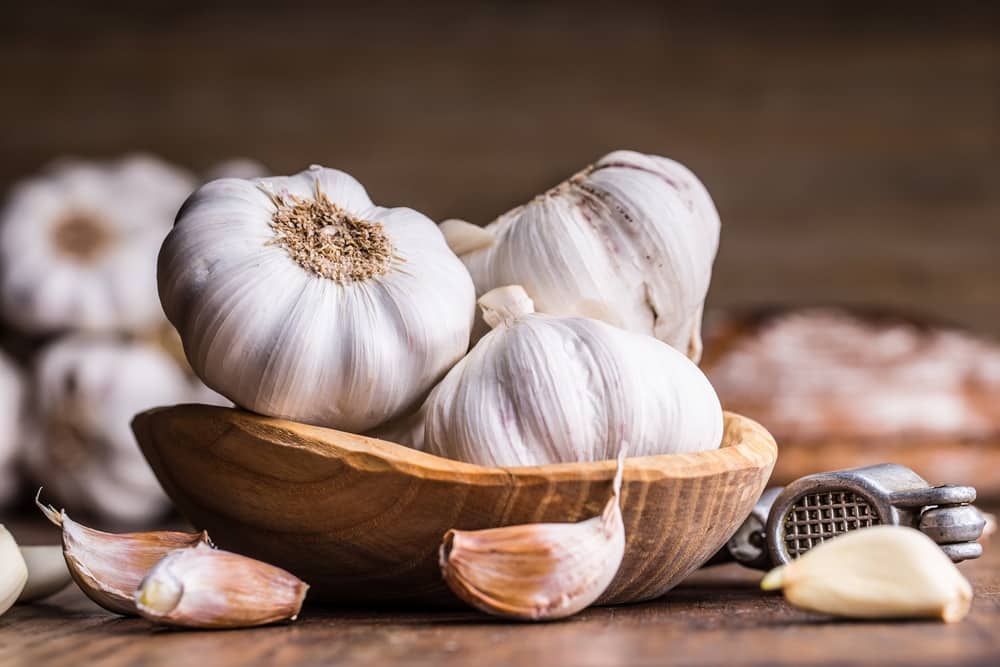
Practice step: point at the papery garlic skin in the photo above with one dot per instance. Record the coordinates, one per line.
(83, 451)
(78, 244)
(12, 399)
(877, 572)
(630, 240)
(540, 389)
(278, 338)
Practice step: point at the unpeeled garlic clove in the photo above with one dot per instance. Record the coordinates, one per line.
(540, 571)
(13, 570)
(109, 567)
(47, 572)
(878, 572)
(201, 587)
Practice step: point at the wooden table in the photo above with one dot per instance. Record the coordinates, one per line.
(717, 617)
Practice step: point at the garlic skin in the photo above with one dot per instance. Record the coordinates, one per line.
(629, 240)
(78, 243)
(83, 450)
(13, 570)
(541, 571)
(12, 400)
(540, 389)
(297, 297)
(201, 587)
(877, 572)
(108, 567)
(47, 573)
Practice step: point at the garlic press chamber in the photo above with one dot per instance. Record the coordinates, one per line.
(789, 521)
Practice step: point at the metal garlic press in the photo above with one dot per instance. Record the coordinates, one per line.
(789, 521)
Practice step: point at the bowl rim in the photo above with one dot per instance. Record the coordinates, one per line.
(745, 444)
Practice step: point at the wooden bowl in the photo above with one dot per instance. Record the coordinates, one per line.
(361, 519)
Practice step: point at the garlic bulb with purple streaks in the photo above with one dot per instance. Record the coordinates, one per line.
(629, 240)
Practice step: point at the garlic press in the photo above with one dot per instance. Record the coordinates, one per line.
(787, 522)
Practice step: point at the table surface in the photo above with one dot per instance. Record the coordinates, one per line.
(718, 616)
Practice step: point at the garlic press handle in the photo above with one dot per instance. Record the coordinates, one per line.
(748, 545)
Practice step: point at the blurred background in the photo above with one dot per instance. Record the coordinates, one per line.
(853, 152)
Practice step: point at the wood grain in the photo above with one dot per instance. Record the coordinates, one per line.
(361, 519)
(717, 617)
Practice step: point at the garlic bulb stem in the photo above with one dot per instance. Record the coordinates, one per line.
(505, 305)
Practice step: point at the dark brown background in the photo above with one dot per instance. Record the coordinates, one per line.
(854, 154)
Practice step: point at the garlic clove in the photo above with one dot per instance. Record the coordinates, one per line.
(464, 237)
(108, 567)
(201, 587)
(13, 570)
(878, 572)
(540, 571)
(47, 572)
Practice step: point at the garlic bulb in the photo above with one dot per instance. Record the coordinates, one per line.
(88, 390)
(629, 240)
(78, 243)
(540, 389)
(11, 423)
(297, 297)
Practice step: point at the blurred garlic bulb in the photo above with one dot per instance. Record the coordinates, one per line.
(540, 389)
(87, 391)
(11, 426)
(78, 244)
(629, 240)
(297, 297)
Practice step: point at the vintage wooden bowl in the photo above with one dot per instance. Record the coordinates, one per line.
(361, 519)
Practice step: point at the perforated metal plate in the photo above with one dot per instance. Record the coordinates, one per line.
(816, 517)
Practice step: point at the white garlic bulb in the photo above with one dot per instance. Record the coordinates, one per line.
(297, 297)
(540, 389)
(11, 423)
(629, 240)
(87, 392)
(78, 244)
